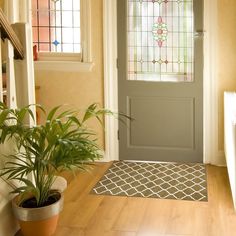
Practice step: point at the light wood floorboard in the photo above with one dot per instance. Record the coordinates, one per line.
(86, 214)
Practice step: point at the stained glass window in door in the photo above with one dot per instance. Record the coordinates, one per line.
(160, 40)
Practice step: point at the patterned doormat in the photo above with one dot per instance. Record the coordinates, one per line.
(156, 180)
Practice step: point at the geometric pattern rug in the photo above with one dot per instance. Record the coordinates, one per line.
(155, 180)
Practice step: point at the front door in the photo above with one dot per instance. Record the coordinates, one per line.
(160, 79)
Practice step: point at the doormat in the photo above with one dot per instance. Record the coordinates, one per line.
(154, 180)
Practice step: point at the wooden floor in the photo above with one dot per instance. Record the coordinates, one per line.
(93, 215)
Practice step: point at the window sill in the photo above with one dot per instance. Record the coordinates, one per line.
(70, 66)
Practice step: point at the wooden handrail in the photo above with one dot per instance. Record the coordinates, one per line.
(8, 32)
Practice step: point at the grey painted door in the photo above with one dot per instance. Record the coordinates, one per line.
(160, 80)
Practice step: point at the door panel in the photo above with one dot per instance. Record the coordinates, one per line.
(160, 93)
(155, 129)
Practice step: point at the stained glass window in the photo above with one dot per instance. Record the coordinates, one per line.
(56, 25)
(160, 40)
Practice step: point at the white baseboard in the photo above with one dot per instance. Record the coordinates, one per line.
(219, 159)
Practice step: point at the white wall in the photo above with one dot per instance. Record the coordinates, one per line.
(8, 225)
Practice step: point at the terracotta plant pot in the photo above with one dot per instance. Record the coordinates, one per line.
(40, 221)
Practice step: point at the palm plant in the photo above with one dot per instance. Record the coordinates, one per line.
(63, 142)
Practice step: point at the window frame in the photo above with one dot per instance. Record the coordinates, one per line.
(70, 61)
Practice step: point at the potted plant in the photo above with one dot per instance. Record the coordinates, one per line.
(63, 142)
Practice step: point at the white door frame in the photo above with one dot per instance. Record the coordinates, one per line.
(210, 110)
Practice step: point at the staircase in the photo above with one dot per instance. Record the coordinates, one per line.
(17, 89)
(17, 85)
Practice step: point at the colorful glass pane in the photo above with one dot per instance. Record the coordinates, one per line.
(56, 23)
(160, 40)
(160, 31)
(55, 42)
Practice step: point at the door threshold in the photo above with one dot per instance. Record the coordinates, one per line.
(164, 162)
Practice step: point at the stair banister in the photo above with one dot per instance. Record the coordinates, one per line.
(8, 32)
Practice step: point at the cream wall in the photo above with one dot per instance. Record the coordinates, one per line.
(76, 88)
(227, 56)
(81, 89)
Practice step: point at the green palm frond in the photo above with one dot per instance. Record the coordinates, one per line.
(63, 142)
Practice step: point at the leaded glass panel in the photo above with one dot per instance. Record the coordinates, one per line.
(56, 25)
(160, 40)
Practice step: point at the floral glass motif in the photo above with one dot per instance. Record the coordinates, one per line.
(160, 40)
(56, 25)
(160, 31)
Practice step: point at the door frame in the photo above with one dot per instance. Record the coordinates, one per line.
(211, 154)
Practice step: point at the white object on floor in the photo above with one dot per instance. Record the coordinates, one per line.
(230, 139)
(60, 184)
